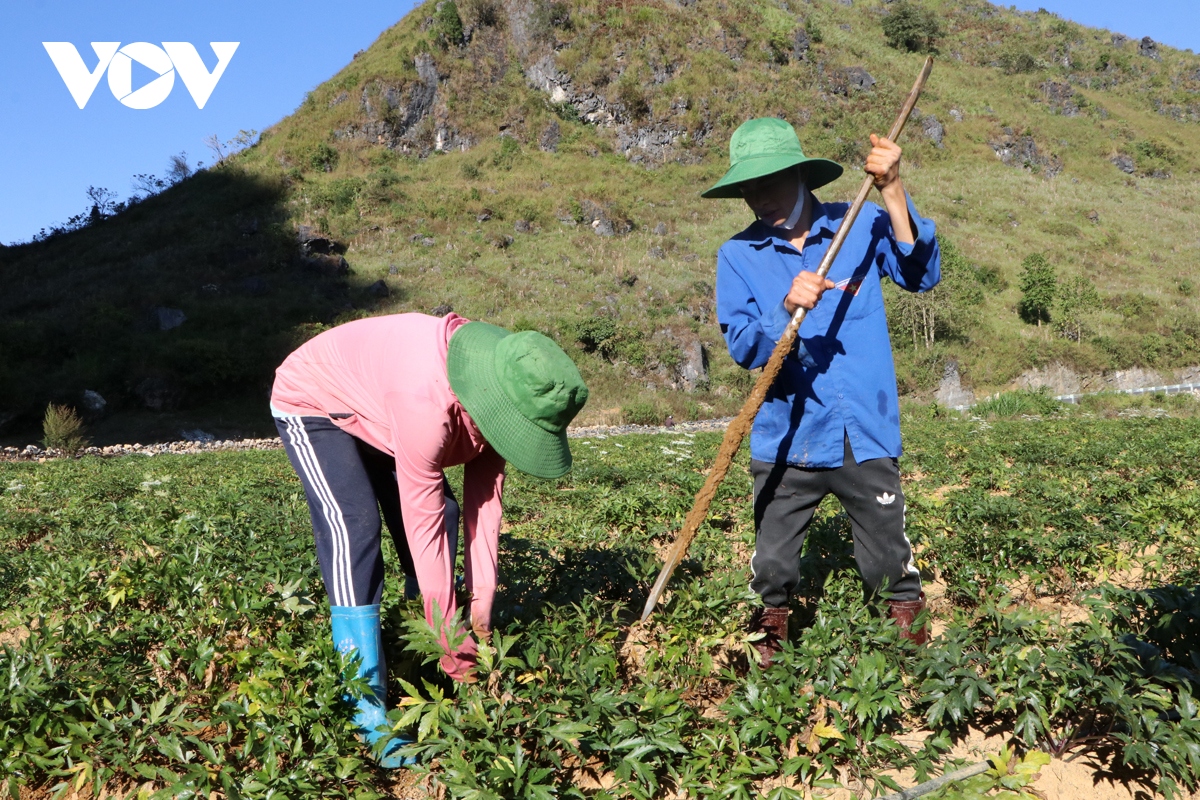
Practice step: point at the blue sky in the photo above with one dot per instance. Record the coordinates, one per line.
(1173, 22)
(51, 151)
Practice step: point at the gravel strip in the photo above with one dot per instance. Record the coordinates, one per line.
(602, 431)
(40, 455)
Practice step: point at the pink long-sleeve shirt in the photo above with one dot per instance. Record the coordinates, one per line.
(389, 374)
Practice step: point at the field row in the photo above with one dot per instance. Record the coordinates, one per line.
(163, 627)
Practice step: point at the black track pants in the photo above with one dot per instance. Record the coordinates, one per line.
(348, 483)
(785, 499)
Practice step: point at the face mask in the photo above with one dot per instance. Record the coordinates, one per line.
(794, 217)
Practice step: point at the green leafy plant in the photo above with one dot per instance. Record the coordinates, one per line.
(813, 30)
(1010, 777)
(323, 157)
(509, 149)
(597, 335)
(62, 429)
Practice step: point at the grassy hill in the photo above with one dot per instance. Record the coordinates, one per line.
(538, 165)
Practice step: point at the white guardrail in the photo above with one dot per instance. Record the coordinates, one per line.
(1175, 388)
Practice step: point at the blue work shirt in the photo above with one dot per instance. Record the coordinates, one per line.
(841, 380)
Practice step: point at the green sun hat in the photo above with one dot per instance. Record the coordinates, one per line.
(765, 145)
(522, 391)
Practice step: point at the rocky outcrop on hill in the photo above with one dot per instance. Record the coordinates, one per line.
(650, 141)
(1060, 379)
(950, 392)
(1061, 98)
(394, 114)
(1023, 152)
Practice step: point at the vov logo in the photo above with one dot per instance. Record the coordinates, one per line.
(172, 57)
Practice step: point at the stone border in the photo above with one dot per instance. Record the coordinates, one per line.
(37, 454)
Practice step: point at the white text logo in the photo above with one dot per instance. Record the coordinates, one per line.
(164, 61)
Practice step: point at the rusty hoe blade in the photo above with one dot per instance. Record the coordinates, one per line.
(740, 426)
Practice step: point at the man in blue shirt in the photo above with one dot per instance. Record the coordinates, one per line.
(831, 422)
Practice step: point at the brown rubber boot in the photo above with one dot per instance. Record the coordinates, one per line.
(774, 623)
(904, 612)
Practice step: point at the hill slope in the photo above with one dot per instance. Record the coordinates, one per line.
(537, 165)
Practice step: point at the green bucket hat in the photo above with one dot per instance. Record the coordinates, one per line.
(522, 390)
(765, 145)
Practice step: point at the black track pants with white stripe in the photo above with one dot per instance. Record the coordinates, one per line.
(348, 483)
(785, 499)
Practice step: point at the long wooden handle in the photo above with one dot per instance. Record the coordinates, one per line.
(741, 424)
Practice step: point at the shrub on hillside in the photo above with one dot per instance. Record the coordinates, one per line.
(643, 412)
(814, 31)
(1074, 301)
(322, 156)
(1017, 62)
(448, 25)
(633, 97)
(1154, 157)
(597, 335)
(948, 311)
(337, 195)
(509, 149)
(548, 16)
(62, 429)
(1038, 287)
(911, 27)
(481, 13)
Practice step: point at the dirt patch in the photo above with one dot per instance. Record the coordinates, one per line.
(590, 776)
(409, 786)
(14, 637)
(1091, 777)
(1095, 778)
(12, 633)
(708, 695)
(631, 653)
(1135, 573)
(940, 493)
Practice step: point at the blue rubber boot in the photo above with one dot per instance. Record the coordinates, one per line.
(356, 628)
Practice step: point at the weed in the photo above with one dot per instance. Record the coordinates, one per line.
(62, 429)
(1011, 404)
(509, 149)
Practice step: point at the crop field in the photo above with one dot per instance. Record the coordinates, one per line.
(164, 631)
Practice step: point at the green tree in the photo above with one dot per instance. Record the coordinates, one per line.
(449, 24)
(950, 310)
(1038, 288)
(912, 28)
(1073, 301)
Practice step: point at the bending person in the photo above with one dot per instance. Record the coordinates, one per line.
(371, 413)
